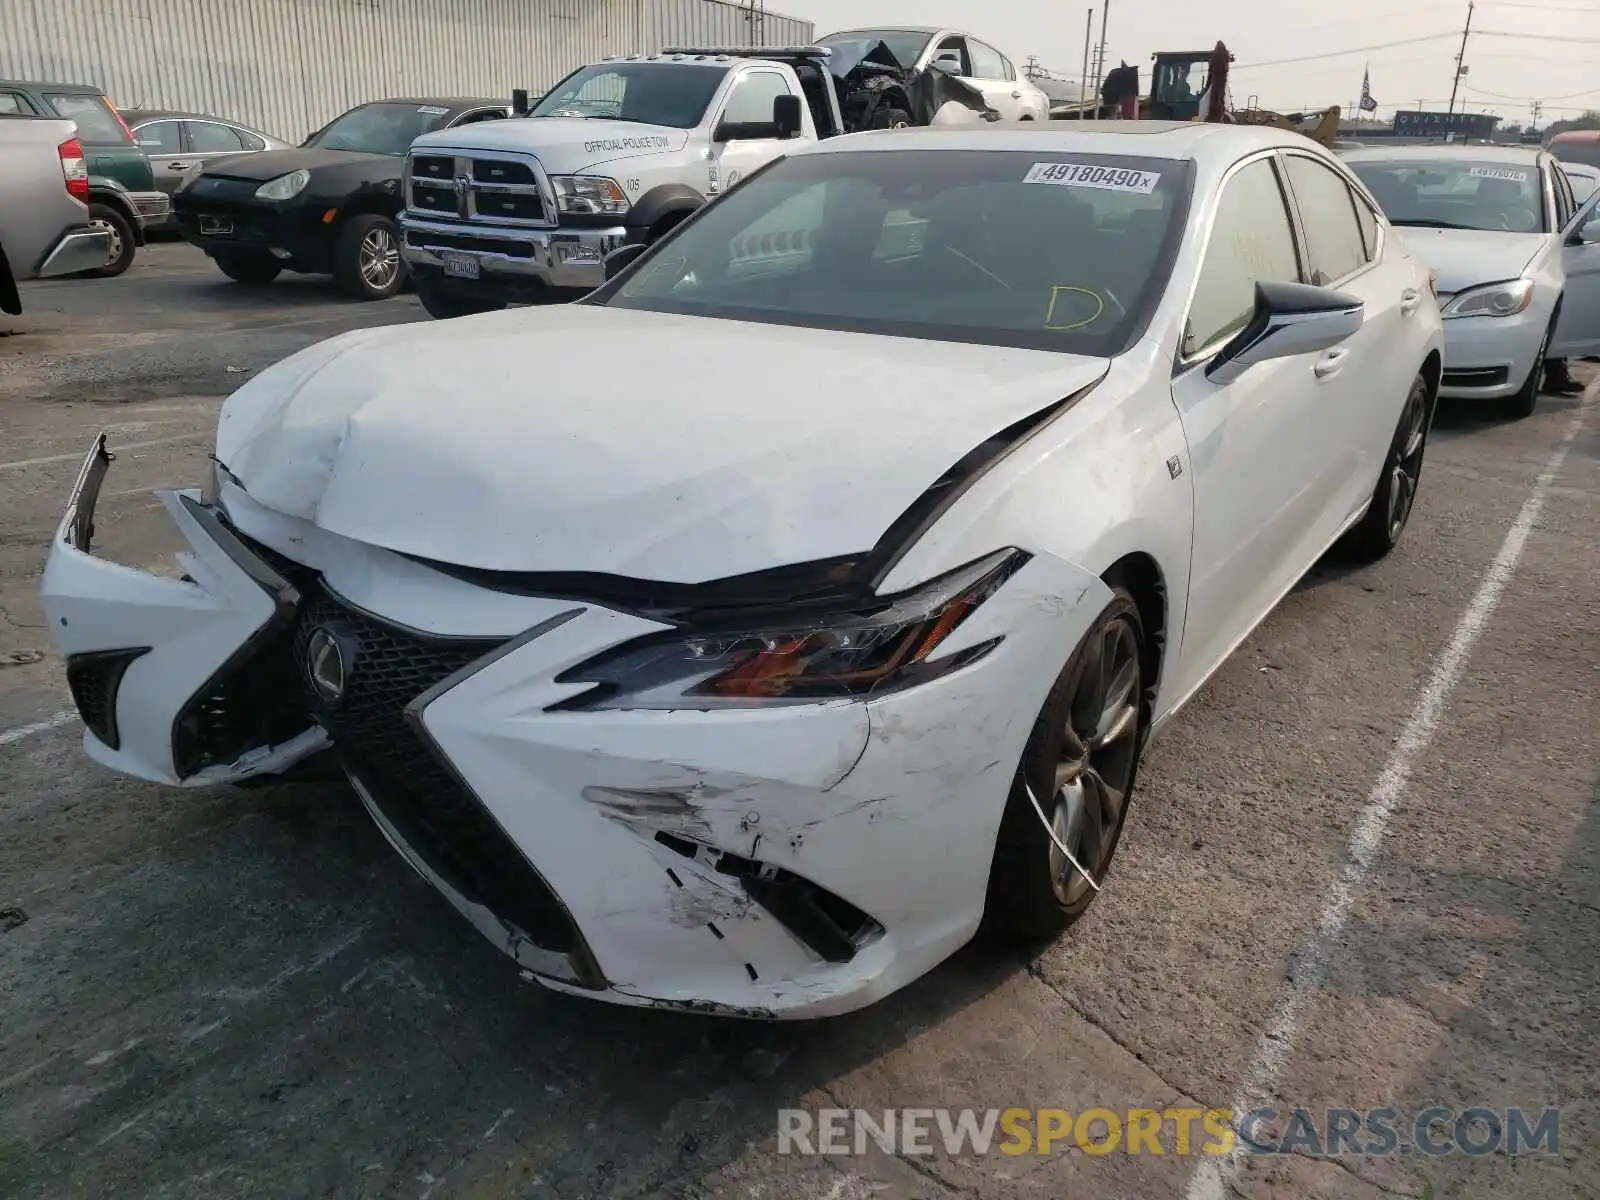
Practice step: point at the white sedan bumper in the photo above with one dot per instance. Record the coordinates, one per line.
(791, 861)
(1490, 357)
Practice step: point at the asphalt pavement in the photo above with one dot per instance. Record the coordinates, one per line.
(1362, 872)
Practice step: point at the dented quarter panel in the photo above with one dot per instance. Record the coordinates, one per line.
(633, 412)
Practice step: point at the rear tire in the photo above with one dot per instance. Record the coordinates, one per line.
(366, 258)
(1393, 499)
(256, 271)
(123, 244)
(1080, 763)
(444, 305)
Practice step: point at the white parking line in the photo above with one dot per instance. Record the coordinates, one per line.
(1212, 1178)
(11, 736)
(77, 455)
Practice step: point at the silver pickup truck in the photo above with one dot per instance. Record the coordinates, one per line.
(44, 212)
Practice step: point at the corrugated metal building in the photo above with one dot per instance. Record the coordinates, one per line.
(289, 66)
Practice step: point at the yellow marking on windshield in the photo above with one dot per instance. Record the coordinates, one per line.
(1055, 293)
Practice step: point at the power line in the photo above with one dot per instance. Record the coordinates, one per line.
(1592, 12)
(1533, 99)
(1539, 37)
(1279, 62)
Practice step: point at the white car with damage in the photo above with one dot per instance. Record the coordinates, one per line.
(817, 605)
(1517, 259)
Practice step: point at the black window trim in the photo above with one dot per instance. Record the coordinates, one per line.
(1183, 363)
(1339, 172)
(191, 122)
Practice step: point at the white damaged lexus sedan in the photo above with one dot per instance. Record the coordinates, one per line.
(744, 636)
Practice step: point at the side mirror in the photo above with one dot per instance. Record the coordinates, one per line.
(948, 61)
(519, 102)
(786, 115)
(617, 261)
(1585, 235)
(1289, 319)
(745, 131)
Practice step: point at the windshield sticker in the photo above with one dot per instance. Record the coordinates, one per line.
(1499, 173)
(627, 143)
(433, 110)
(1088, 175)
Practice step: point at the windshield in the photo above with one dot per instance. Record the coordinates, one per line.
(1450, 194)
(1036, 249)
(906, 45)
(380, 128)
(673, 94)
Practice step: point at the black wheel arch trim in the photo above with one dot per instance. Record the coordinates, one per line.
(664, 200)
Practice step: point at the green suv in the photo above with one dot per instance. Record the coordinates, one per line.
(122, 187)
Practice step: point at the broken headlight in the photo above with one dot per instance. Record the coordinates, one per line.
(881, 645)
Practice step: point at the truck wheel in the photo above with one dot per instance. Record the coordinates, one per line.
(443, 305)
(248, 268)
(366, 259)
(123, 244)
(890, 118)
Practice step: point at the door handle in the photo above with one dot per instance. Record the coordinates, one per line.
(179, 166)
(1016, 95)
(1409, 300)
(1331, 363)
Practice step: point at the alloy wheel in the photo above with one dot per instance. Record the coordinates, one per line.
(1099, 753)
(379, 258)
(114, 246)
(1409, 443)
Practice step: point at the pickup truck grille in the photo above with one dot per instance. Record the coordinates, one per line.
(500, 189)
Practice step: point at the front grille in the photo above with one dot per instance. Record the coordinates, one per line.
(465, 241)
(483, 187)
(428, 805)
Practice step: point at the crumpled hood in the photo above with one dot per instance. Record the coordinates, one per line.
(562, 144)
(580, 438)
(1464, 258)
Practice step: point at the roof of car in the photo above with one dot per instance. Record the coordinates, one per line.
(1158, 139)
(445, 101)
(1525, 155)
(87, 89)
(134, 116)
(930, 30)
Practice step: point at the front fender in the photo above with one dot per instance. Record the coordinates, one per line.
(665, 200)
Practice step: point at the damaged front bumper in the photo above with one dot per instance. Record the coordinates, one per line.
(780, 862)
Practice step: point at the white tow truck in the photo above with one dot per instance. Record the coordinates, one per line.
(617, 153)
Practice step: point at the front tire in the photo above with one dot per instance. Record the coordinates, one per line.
(444, 305)
(257, 271)
(1080, 763)
(888, 117)
(366, 259)
(1521, 403)
(123, 244)
(1393, 499)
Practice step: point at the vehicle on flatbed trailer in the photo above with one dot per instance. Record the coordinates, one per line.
(619, 152)
(44, 206)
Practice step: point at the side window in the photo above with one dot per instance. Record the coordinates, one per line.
(15, 104)
(159, 137)
(250, 140)
(207, 137)
(1369, 225)
(1333, 238)
(954, 47)
(1251, 241)
(1011, 71)
(751, 101)
(986, 61)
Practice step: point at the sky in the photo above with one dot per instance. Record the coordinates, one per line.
(1559, 62)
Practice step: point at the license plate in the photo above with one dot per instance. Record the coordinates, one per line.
(460, 266)
(216, 225)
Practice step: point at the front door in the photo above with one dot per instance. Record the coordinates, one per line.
(1578, 331)
(162, 142)
(989, 75)
(748, 103)
(1256, 444)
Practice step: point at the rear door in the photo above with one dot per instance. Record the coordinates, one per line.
(1578, 330)
(1256, 444)
(162, 143)
(1364, 381)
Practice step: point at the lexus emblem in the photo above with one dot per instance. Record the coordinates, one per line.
(325, 666)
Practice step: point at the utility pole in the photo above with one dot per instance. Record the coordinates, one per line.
(1083, 77)
(1100, 67)
(1538, 107)
(1460, 57)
